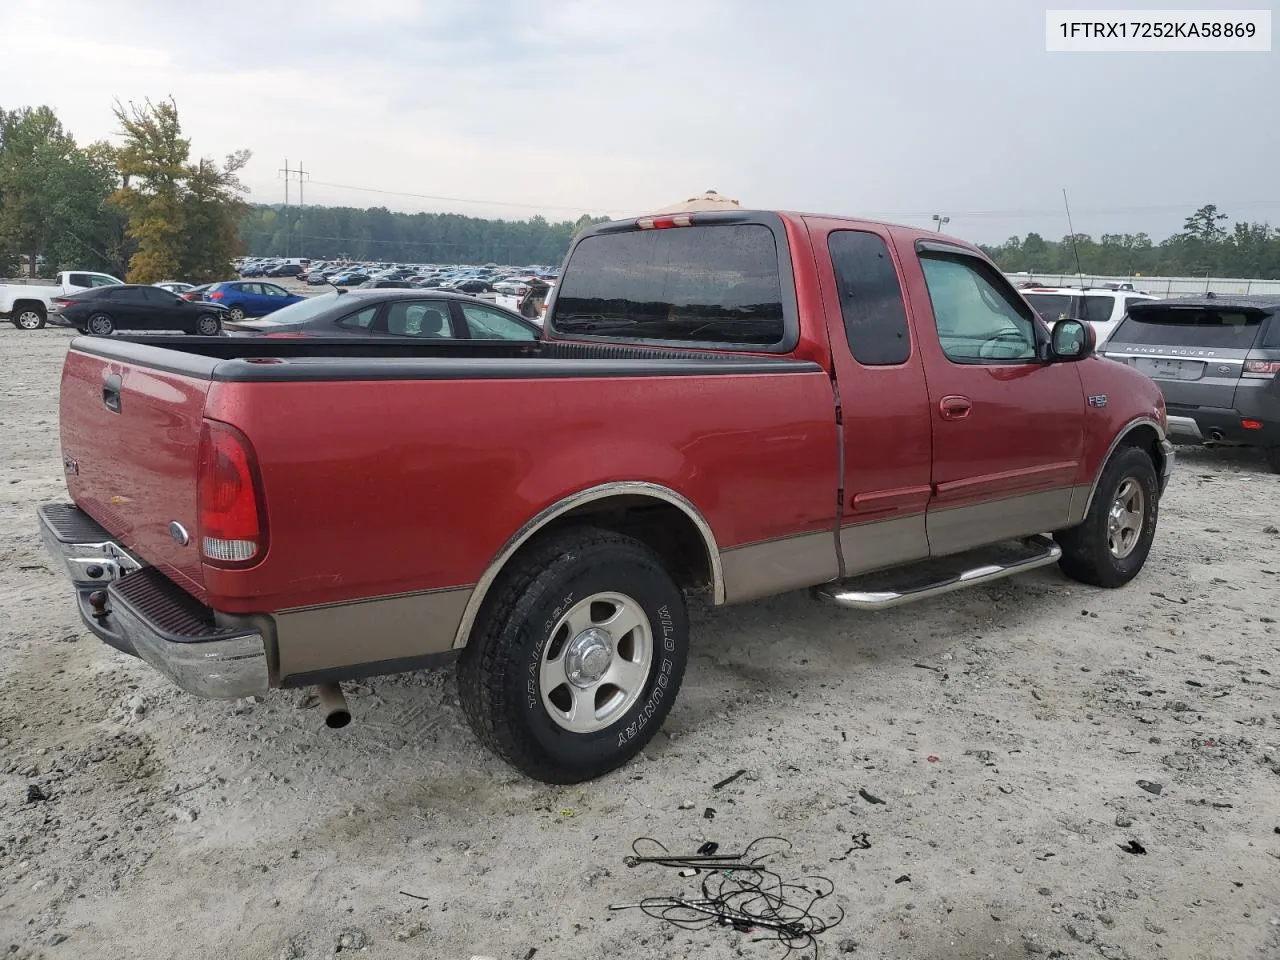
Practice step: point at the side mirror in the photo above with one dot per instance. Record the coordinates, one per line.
(1072, 340)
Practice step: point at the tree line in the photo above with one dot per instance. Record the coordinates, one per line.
(1204, 247)
(381, 234)
(141, 208)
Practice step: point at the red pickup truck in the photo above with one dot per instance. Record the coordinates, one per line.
(746, 402)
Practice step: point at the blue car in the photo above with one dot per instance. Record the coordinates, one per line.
(244, 299)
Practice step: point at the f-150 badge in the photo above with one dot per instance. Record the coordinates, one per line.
(1098, 401)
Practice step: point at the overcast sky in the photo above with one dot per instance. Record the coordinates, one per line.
(891, 110)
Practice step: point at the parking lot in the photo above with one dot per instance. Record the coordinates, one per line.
(1005, 729)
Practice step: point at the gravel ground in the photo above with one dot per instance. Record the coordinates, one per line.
(1005, 730)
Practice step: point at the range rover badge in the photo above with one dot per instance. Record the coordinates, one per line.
(179, 533)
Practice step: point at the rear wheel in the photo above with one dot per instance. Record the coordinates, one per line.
(576, 657)
(29, 317)
(1111, 545)
(1273, 458)
(101, 325)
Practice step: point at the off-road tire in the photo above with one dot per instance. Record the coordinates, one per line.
(1273, 458)
(29, 317)
(1085, 554)
(100, 325)
(498, 669)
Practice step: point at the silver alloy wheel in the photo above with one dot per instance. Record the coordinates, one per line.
(235, 313)
(207, 325)
(596, 663)
(1125, 519)
(28, 319)
(100, 324)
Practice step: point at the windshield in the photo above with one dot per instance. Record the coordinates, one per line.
(302, 311)
(1053, 307)
(1189, 327)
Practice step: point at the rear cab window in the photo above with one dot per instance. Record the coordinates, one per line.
(719, 283)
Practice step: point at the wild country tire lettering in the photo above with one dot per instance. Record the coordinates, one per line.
(531, 685)
(660, 686)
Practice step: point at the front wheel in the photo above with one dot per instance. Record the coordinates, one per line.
(208, 325)
(1110, 547)
(100, 325)
(577, 656)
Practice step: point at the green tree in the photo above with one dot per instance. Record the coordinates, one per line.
(153, 163)
(212, 208)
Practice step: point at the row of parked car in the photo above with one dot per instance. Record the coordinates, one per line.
(465, 279)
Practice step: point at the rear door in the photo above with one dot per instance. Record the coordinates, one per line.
(885, 434)
(133, 435)
(1008, 429)
(1195, 353)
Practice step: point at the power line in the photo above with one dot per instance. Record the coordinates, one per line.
(492, 203)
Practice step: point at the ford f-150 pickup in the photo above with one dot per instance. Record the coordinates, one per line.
(742, 402)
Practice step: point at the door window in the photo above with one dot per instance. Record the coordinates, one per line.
(100, 281)
(486, 324)
(416, 319)
(875, 315)
(1097, 309)
(273, 291)
(977, 318)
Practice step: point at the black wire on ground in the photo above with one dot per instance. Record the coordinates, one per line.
(740, 892)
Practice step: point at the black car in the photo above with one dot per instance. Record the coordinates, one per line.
(391, 313)
(473, 286)
(285, 270)
(136, 306)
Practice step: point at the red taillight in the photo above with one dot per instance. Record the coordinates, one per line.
(215, 295)
(665, 223)
(63, 301)
(1261, 369)
(233, 524)
(1251, 424)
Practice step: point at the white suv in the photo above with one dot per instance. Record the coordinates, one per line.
(1101, 307)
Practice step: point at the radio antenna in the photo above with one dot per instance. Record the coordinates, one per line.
(1074, 248)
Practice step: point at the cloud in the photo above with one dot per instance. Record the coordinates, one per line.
(844, 106)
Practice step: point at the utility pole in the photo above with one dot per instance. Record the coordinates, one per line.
(287, 229)
(302, 175)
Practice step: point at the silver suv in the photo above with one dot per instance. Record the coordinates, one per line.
(1217, 361)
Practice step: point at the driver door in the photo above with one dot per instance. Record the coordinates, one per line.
(1008, 429)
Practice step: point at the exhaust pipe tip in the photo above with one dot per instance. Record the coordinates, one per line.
(333, 705)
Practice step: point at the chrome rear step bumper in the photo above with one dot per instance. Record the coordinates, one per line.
(137, 610)
(932, 578)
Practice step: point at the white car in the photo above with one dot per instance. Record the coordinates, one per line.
(1102, 308)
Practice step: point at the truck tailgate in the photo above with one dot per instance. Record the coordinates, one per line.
(130, 441)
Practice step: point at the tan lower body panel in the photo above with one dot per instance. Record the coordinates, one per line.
(1079, 504)
(776, 566)
(883, 543)
(331, 637)
(955, 529)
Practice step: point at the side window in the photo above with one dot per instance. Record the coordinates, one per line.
(358, 321)
(252, 289)
(407, 318)
(98, 281)
(1098, 309)
(155, 296)
(485, 324)
(273, 291)
(977, 319)
(875, 315)
(78, 280)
